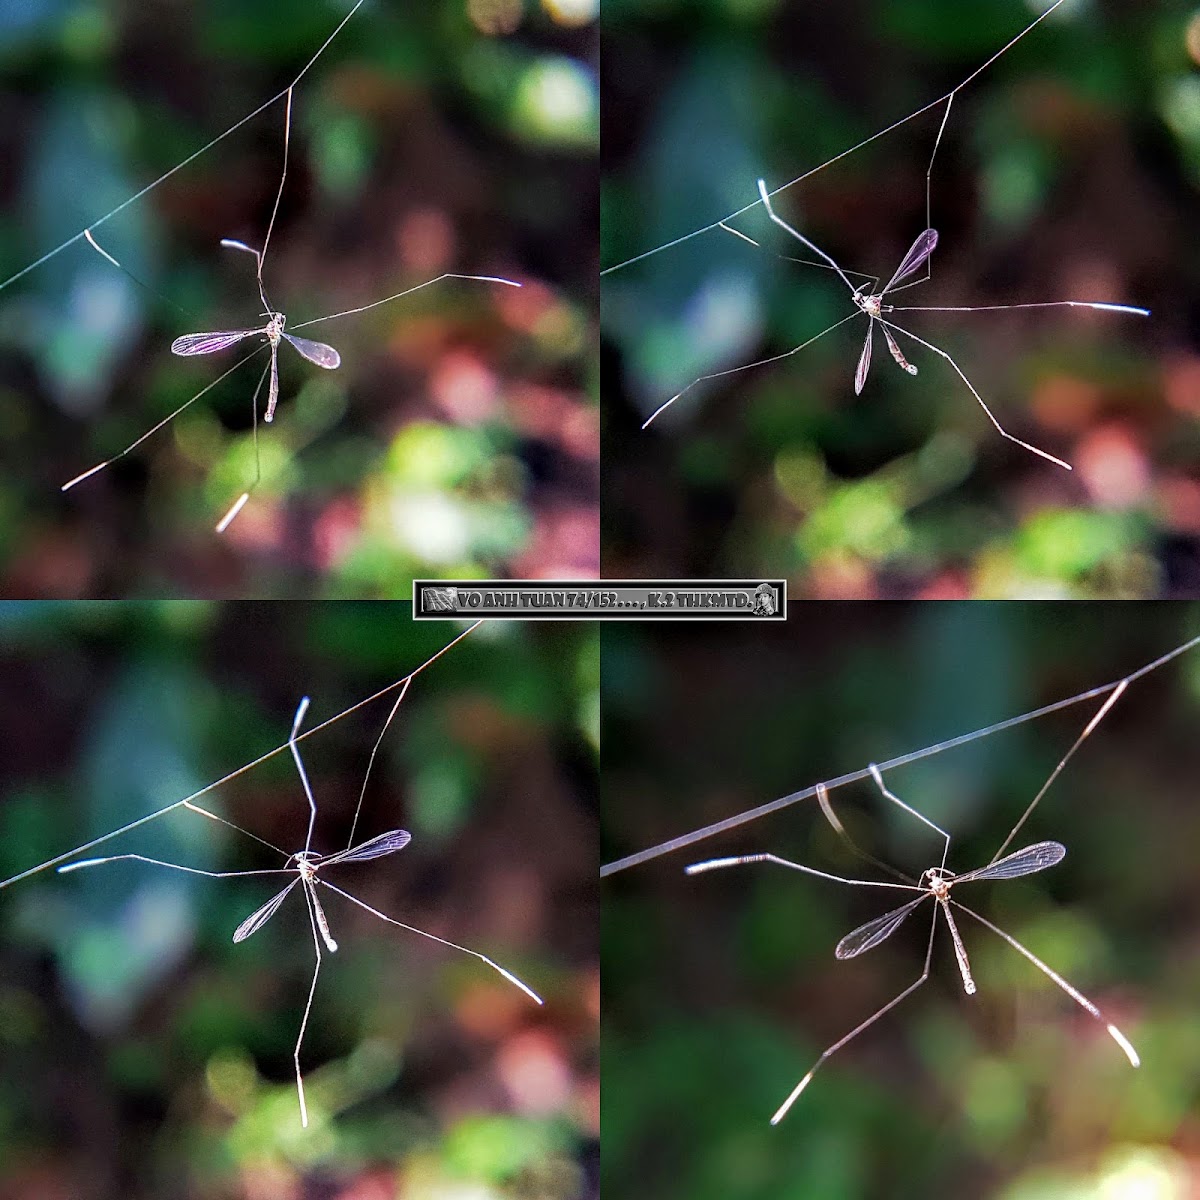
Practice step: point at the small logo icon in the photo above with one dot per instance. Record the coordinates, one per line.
(439, 599)
(766, 602)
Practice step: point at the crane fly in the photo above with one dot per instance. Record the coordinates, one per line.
(211, 343)
(937, 883)
(306, 865)
(871, 304)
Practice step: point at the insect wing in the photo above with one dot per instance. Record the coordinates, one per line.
(256, 920)
(316, 352)
(914, 260)
(209, 343)
(868, 936)
(864, 360)
(1021, 862)
(376, 847)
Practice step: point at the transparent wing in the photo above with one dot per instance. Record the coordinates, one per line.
(864, 360)
(914, 260)
(316, 352)
(256, 920)
(376, 847)
(1021, 862)
(209, 343)
(867, 936)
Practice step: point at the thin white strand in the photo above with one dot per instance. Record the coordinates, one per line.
(434, 938)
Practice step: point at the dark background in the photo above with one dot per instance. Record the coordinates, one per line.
(143, 1054)
(460, 434)
(1068, 170)
(721, 990)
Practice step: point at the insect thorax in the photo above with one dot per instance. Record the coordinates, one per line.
(871, 305)
(275, 326)
(938, 881)
(306, 863)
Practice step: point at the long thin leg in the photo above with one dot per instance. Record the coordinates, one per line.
(158, 862)
(912, 116)
(301, 709)
(240, 503)
(872, 281)
(929, 199)
(1076, 995)
(1098, 305)
(224, 821)
(312, 991)
(762, 362)
(434, 938)
(714, 864)
(781, 1111)
(1058, 462)
(191, 157)
(766, 200)
(159, 813)
(108, 462)
(840, 829)
(1066, 758)
(371, 762)
(349, 312)
(287, 138)
(912, 812)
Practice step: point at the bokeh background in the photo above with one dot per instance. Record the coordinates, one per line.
(461, 434)
(143, 1054)
(1068, 170)
(720, 991)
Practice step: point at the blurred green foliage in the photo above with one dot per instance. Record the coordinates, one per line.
(143, 1054)
(721, 990)
(1067, 170)
(457, 136)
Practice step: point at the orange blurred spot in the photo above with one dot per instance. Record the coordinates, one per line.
(463, 388)
(335, 532)
(268, 1182)
(1064, 403)
(1179, 498)
(1181, 383)
(840, 577)
(534, 1070)
(553, 415)
(524, 307)
(425, 240)
(1113, 467)
(564, 544)
(381, 1185)
(495, 16)
(1192, 38)
(489, 1012)
(950, 586)
(581, 432)
(591, 994)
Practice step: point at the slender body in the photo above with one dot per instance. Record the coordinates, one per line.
(209, 343)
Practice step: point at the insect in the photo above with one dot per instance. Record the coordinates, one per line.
(871, 304)
(209, 343)
(273, 332)
(308, 867)
(937, 883)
